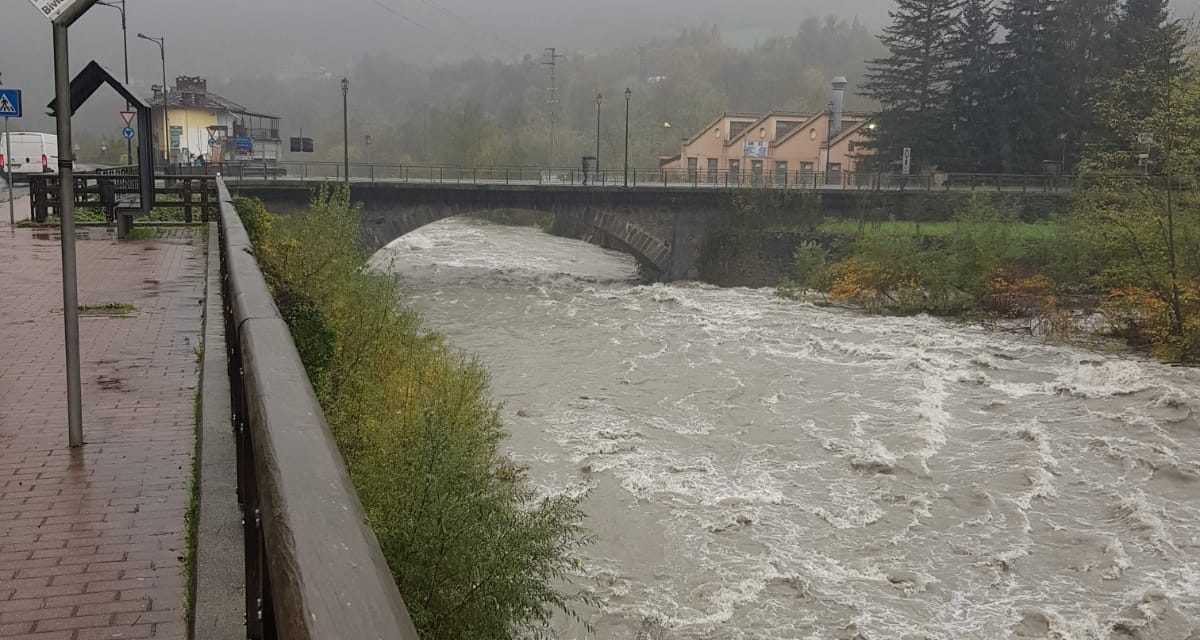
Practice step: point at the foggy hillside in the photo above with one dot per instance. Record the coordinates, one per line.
(227, 39)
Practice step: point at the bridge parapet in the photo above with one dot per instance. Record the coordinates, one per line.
(314, 569)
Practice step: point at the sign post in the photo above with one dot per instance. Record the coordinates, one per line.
(10, 107)
(62, 14)
(906, 165)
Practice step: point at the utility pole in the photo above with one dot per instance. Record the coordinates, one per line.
(346, 130)
(119, 5)
(628, 95)
(551, 61)
(162, 52)
(599, 101)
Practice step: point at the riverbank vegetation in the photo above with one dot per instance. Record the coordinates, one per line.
(1127, 254)
(1122, 264)
(475, 552)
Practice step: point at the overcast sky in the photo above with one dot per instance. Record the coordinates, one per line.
(220, 39)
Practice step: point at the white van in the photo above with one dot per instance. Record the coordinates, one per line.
(31, 153)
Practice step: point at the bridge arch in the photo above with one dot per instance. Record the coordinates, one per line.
(665, 229)
(653, 254)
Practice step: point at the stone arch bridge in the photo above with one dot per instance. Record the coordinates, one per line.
(667, 229)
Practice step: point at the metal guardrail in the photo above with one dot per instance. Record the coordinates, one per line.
(314, 569)
(567, 176)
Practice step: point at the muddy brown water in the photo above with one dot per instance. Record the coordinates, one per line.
(756, 468)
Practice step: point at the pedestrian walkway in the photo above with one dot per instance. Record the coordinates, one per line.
(92, 541)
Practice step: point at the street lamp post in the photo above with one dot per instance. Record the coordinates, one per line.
(162, 52)
(599, 101)
(119, 5)
(346, 130)
(628, 95)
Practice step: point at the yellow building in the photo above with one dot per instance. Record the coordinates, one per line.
(779, 147)
(200, 124)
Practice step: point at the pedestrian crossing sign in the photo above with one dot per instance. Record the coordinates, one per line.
(10, 103)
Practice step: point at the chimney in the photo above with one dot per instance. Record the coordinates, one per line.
(839, 105)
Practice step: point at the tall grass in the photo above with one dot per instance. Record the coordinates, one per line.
(476, 554)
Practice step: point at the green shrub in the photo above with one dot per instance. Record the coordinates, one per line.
(810, 266)
(476, 554)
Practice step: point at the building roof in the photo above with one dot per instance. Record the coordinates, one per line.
(764, 118)
(802, 127)
(727, 114)
(848, 131)
(213, 102)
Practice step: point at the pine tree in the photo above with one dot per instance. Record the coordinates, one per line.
(1084, 50)
(912, 83)
(974, 90)
(1149, 46)
(1032, 82)
(1147, 95)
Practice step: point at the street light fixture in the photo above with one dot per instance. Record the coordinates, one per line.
(628, 95)
(162, 51)
(346, 130)
(119, 5)
(599, 101)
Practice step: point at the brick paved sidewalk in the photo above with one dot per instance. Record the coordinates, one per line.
(92, 540)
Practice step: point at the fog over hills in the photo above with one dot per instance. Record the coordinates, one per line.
(223, 39)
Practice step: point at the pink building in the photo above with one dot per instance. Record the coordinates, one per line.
(777, 148)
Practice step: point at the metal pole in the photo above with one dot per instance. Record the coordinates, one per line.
(628, 95)
(66, 212)
(346, 129)
(599, 100)
(12, 220)
(162, 50)
(125, 41)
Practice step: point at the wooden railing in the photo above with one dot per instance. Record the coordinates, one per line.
(193, 194)
(314, 569)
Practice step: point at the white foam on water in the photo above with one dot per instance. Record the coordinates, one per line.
(802, 472)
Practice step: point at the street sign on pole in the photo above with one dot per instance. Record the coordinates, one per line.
(12, 216)
(907, 163)
(128, 117)
(63, 12)
(10, 103)
(128, 132)
(1145, 138)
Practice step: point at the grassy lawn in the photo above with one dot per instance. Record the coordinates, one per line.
(1021, 230)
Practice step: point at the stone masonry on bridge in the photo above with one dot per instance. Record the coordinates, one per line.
(667, 229)
(664, 228)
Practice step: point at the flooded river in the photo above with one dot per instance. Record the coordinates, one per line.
(757, 468)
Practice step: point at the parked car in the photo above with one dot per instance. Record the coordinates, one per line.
(31, 153)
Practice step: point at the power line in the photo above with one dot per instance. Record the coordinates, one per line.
(421, 26)
(468, 23)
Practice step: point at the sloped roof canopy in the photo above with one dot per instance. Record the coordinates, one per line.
(88, 81)
(83, 86)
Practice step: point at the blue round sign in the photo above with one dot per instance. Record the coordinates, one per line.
(128, 133)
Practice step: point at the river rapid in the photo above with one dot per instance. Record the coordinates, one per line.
(759, 468)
